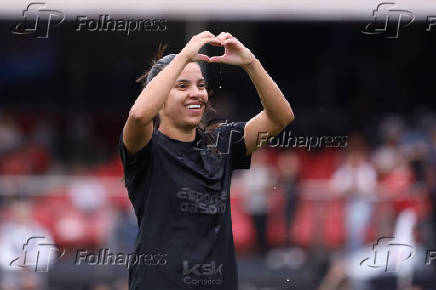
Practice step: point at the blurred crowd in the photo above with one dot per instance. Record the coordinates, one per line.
(329, 200)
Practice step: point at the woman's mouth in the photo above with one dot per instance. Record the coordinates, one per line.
(193, 108)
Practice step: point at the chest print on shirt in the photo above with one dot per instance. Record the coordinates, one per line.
(202, 274)
(194, 201)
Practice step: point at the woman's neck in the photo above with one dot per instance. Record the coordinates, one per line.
(184, 135)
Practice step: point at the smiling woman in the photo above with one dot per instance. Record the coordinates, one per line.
(158, 64)
(178, 174)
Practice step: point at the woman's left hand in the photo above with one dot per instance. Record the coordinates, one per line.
(235, 53)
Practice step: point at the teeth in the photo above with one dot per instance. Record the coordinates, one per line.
(193, 106)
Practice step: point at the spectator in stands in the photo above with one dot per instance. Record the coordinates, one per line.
(87, 193)
(123, 233)
(289, 169)
(356, 180)
(385, 158)
(257, 183)
(18, 264)
(10, 134)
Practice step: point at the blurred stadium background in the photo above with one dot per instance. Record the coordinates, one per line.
(302, 219)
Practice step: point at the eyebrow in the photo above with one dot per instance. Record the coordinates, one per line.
(187, 81)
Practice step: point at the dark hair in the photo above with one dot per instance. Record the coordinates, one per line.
(158, 63)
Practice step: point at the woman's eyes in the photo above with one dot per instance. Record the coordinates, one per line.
(184, 86)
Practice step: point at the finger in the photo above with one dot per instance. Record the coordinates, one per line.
(201, 35)
(222, 36)
(215, 41)
(231, 41)
(199, 43)
(212, 40)
(201, 57)
(226, 35)
(206, 34)
(220, 58)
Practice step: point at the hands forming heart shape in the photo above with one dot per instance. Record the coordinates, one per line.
(235, 53)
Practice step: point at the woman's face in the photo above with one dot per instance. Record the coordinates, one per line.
(186, 102)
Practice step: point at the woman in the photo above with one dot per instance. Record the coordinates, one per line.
(178, 175)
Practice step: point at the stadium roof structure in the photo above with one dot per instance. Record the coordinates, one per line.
(258, 10)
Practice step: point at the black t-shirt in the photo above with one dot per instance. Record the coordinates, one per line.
(180, 194)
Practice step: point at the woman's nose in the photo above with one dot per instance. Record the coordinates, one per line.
(195, 92)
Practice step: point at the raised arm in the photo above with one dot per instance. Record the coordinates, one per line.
(138, 128)
(277, 112)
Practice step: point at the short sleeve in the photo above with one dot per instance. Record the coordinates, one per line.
(132, 163)
(234, 133)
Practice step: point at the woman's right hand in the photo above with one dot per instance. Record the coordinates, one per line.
(190, 51)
